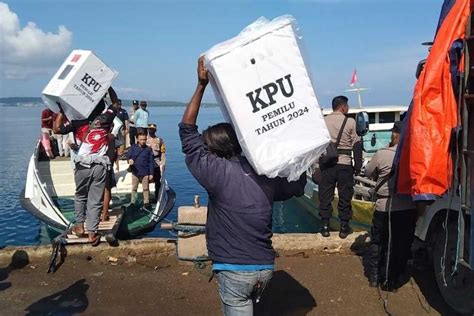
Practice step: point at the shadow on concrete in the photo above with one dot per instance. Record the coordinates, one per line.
(360, 245)
(69, 301)
(19, 260)
(285, 296)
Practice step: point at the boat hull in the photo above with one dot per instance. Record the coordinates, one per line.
(362, 211)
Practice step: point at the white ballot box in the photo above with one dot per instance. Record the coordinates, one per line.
(261, 80)
(79, 84)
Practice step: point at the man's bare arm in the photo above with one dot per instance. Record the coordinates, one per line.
(192, 110)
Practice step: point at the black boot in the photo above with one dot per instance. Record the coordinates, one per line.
(345, 230)
(371, 264)
(373, 280)
(325, 228)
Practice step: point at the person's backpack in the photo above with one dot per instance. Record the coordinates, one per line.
(331, 156)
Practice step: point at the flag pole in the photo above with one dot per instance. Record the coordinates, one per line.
(358, 94)
(357, 89)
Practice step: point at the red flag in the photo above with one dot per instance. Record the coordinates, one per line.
(354, 78)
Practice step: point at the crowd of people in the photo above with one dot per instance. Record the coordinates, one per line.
(95, 145)
(239, 222)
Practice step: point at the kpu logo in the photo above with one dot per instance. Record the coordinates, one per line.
(90, 82)
(271, 89)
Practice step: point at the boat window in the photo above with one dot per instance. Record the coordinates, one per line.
(386, 117)
(371, 118)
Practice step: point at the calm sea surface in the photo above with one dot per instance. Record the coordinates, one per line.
(20, 128)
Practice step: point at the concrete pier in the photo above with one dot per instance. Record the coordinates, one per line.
(313, 276)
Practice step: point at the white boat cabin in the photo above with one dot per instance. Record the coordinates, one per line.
(381, 119)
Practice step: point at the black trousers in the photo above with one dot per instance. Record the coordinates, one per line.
(343, 177)
(132, 133)
(403, 230)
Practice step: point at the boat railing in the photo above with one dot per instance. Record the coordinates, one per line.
(37, 193)
(161, 198)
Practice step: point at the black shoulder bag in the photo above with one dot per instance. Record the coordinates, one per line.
(330, 157)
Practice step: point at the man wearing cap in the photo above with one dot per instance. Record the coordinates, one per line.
(132, 130)
(392, 212)
(158, 146)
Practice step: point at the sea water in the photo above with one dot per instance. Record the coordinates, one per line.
(20, 130)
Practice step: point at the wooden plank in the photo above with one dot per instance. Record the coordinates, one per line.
(108, 228)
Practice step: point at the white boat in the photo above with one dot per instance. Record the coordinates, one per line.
(49, 196)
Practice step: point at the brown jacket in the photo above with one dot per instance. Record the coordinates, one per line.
(378, 169)
(349, 136)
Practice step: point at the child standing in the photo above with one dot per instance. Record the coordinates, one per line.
(140, 159)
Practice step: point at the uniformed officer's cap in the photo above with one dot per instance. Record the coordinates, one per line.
(397, 127)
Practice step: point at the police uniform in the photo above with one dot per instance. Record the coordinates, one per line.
(159, 149)
(342, 174)
(393, 210)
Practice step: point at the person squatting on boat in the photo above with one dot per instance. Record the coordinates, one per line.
(159, 149)
(342, 173)
(392, 213)
(142, 165)
(239, 222)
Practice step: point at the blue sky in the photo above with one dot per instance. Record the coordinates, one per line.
(155, 44)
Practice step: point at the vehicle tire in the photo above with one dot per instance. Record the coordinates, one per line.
(459, 289)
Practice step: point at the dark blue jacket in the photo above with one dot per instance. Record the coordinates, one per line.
(239, 218)
(143, 163)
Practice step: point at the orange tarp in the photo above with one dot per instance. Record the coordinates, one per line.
(425, 168)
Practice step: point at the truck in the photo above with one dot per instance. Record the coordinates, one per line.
(446, 226)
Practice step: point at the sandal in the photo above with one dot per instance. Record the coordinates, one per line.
(94, 239)
(78, 230)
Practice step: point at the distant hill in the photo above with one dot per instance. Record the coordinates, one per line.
(20, 101)
(32, 101)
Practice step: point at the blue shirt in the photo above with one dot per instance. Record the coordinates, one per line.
(122, 115)
(217, 266)
(239, 218)
(141, 118)
(143, 162)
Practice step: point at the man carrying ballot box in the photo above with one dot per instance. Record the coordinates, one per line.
(239, 221)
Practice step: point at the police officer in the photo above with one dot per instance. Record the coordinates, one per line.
(342, 174)
(391, 211)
